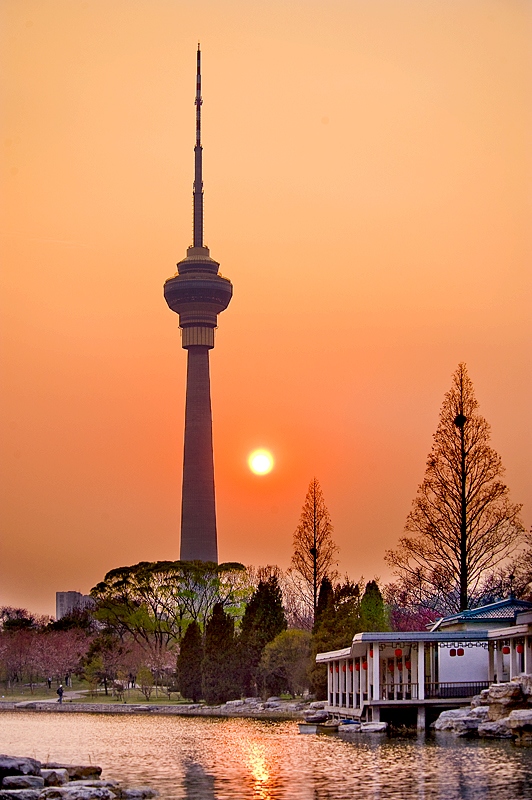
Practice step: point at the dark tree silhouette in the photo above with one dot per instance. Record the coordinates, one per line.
(263, 620)
(219, 666)
(325, 597)
(314, 549)
(189, 662)
(285, 661)
(462, 520)
(373, 616)
(337, 621)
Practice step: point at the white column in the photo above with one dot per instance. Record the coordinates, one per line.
(376, 671)
(413, 670)
(528, 655)
(498, 661)
(329, 684)
(343, 683)
(513, 660)
(421, 670)
(491, 662)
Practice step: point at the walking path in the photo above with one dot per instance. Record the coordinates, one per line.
(252, 708)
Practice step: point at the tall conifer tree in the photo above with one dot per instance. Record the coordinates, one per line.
(337, 622)
(263, 620)
(189, 663)
(462, 521)
(373, 616)
(220, 661)
(314, 549)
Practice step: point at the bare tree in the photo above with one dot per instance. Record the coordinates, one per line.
(513, 577)
(462, 520)
(314, 549)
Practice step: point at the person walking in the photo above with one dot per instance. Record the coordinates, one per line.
(60, 693)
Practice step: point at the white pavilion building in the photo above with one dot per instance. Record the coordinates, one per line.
(411, 675)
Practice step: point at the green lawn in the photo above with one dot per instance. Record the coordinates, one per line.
(17, 694)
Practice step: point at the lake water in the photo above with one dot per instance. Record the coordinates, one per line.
(203, 759)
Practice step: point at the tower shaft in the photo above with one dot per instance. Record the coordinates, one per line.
(198, 293)
(198, 512)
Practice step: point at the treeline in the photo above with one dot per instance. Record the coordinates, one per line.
(35, 649)
(211, 632)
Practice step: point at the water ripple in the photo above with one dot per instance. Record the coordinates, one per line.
(224, 759)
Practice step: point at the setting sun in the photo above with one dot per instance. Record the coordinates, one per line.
(260, 462)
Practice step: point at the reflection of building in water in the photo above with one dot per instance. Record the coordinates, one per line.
(197, 783)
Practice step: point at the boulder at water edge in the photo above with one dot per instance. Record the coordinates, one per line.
(15, 765)
(499, 729)
(55, 777)
(373, 727)
(502, 697)
(23, 782)
(19, 794)
(520, 722)
(77, 793)
(76, 771)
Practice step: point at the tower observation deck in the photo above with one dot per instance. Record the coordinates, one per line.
(198, 293)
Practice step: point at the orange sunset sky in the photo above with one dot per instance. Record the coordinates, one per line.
(367, 189)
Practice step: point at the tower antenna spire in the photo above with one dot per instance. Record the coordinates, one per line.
(198, 167)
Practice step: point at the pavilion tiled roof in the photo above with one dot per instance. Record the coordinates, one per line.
(502, 610)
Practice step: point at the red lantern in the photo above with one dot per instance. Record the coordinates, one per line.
(398, 653)
(460, 651)
(519, 648)
(371, 653)
(343, 667)
(364, 665)
(390, 666)
(399, 664)
(452, 652)
(357, 666)
(337, 670)
(408, 664)
(331, 668)
(351, 667)
(505, 649)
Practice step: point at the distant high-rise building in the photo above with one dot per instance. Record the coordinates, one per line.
(198, 293)
(67, 602)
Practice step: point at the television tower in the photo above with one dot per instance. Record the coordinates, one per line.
(198, 293)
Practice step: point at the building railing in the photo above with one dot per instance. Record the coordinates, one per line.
(454, 689)
(399, 691)
(409, 691)
(440, 690)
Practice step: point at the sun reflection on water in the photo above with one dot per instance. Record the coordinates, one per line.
(256, 761)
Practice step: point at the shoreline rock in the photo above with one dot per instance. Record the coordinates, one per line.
(504, 711)
(29, 779)
(250, 708)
